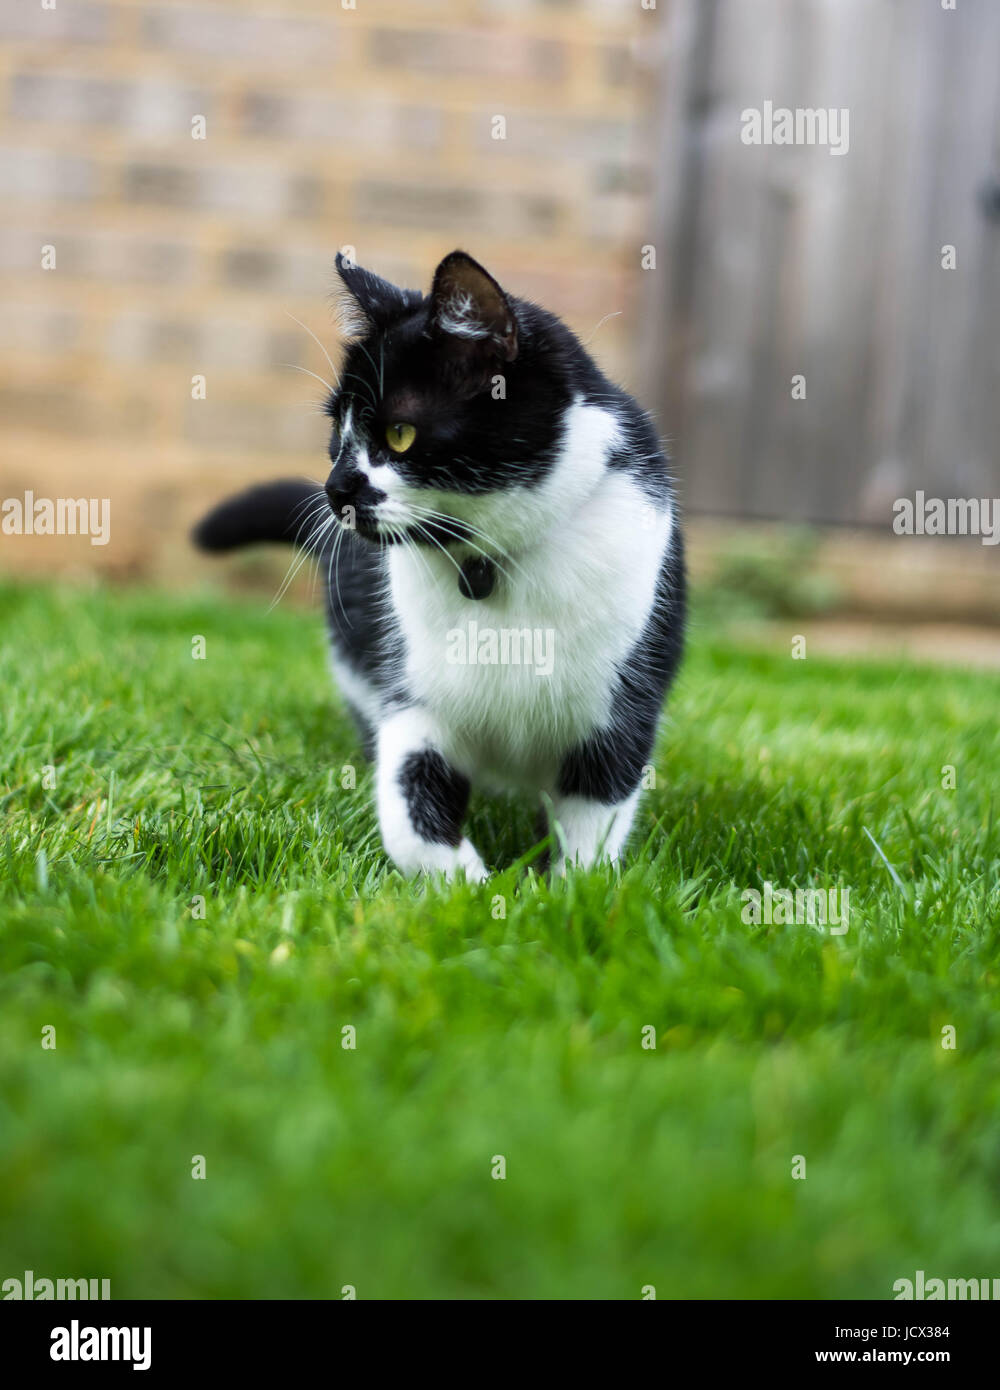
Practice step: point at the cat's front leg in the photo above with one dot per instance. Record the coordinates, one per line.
(422, 800)
(588, 831)
(598, 793)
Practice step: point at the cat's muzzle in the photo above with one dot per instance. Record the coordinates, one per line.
(353, 502)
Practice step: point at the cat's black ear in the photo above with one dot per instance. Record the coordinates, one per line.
(369, 300)
(468, 306)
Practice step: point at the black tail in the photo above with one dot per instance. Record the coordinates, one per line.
(278, 511)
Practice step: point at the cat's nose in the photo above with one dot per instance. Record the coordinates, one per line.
(342, 488)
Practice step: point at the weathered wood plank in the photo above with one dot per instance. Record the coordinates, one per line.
(786, 259)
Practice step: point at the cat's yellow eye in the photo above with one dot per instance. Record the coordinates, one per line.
(400, 437)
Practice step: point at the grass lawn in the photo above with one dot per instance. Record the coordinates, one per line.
(497, 1020)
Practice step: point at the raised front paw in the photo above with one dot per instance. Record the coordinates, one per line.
(422, 801)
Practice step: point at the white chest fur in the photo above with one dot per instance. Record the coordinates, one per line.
(515, 680)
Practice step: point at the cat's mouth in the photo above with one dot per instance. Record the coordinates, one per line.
(366, 526)
(370, 528)
(405, 530)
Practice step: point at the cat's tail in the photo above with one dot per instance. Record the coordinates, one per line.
(287, 510)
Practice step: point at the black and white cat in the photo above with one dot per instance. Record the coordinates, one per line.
(506, 598)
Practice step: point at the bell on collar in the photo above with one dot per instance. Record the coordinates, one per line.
(477, 577)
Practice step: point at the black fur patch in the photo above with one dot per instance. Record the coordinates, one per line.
(436, 797)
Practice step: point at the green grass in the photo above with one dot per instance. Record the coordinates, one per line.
(481, 1034)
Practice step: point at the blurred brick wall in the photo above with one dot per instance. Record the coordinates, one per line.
(325, 126)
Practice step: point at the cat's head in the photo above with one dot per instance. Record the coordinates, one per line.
(449, 406)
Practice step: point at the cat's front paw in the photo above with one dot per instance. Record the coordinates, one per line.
(442, 859)
(469, 860)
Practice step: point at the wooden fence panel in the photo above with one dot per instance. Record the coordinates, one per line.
(788, 260)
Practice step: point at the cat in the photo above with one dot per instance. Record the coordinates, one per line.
(507, 594)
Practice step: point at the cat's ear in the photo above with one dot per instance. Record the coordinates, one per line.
(468, 306)
(369, 300)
